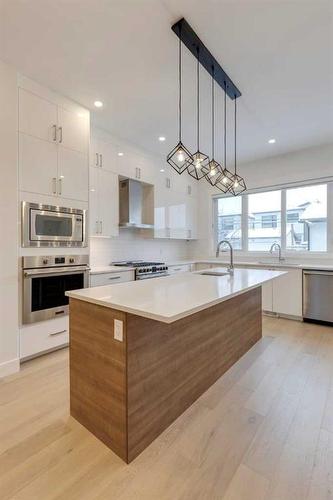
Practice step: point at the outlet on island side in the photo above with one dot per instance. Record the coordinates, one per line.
(118, 330)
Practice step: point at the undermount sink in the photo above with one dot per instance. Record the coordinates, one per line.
(214, 273)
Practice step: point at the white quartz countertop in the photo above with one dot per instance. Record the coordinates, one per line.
(170, 298)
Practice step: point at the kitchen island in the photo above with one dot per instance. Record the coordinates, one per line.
(142, 352)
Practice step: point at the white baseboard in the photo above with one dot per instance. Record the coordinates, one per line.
(9, 367)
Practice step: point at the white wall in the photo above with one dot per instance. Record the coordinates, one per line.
(129, 246)
(309, 164)
(9, 355)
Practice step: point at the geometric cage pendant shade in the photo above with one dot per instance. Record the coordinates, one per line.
(237, 184)
(180, 157)
(214, 168)
(199, 168)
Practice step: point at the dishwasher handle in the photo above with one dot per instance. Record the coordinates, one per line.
(320, 273)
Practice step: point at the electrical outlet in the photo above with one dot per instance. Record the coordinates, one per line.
(118, 330)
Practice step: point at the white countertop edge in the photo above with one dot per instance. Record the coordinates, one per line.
(167, 319)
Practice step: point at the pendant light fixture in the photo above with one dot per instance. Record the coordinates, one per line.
(225, 180)
(199, 168)
(237, 182)
(214, 168)
(180, 157)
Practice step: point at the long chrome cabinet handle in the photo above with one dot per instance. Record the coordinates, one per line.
(114, 278)
(97, 227)
(60, 130)
(54, 133)
(101, 160)
(57, 333)
(96, 159)
(101, 226)
(60, 185)
(54, 185)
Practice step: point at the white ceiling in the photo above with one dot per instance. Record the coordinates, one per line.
(123, 52)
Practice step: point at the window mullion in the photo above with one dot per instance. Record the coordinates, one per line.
(283, 219)
(245, 224)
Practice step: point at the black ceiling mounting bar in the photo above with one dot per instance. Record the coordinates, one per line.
(191, 40)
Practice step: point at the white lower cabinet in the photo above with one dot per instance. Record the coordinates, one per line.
(111, 278)
(287, 293)
(103, 203)
(182, 268)
(267, 296)
(43, 336)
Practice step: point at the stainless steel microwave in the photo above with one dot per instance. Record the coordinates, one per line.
(53, 226)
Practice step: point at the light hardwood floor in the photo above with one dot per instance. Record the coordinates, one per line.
(263, 431)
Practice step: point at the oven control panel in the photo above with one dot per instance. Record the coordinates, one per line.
(35, 262)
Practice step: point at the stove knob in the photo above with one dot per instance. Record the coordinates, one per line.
(71, 260)
(45, 261)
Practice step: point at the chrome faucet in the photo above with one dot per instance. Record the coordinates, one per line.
(226, 242)
(275, 246)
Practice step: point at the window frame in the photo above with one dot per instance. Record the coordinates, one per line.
(283, 188)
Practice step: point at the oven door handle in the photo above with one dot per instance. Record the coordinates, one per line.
(53, 271)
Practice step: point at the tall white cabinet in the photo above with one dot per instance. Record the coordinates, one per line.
(53, 148)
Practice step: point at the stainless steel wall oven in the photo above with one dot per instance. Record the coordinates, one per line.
(53, 226)
(45, 281)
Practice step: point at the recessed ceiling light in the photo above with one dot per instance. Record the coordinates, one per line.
(272, 141)
(98, 104)
(162, 170)
(120, 154)
(161, 138)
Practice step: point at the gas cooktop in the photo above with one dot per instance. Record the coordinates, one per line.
(144, 270)
(137, 263)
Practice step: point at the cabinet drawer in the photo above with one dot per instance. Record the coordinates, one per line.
(179, 269)
(111, 278)
(43, 336)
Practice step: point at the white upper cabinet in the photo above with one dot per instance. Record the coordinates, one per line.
(73, 130)
(37, 116)
(175, 207)
(175, 196)
(38, 160)
(72, 175)
(53, 148)
(103, 155)
(103, 203)
(109, 203)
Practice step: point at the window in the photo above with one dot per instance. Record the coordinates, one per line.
(307, 218)
(229, 216)
(264, 215)
(269, 220)
(296, 218)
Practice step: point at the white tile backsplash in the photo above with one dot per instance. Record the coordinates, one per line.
(130, 246)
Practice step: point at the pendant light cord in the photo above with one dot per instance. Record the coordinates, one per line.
(198, 100)
(213, 115)
(225, 125)
(235, 135)
(180, 86)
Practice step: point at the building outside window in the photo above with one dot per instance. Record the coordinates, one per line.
(264, 214)
(229, 215)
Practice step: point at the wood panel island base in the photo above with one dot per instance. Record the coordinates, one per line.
(127, 391)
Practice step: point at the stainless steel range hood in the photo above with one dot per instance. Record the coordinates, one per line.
(131, 205)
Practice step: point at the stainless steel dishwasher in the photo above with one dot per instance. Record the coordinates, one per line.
(318, 295)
